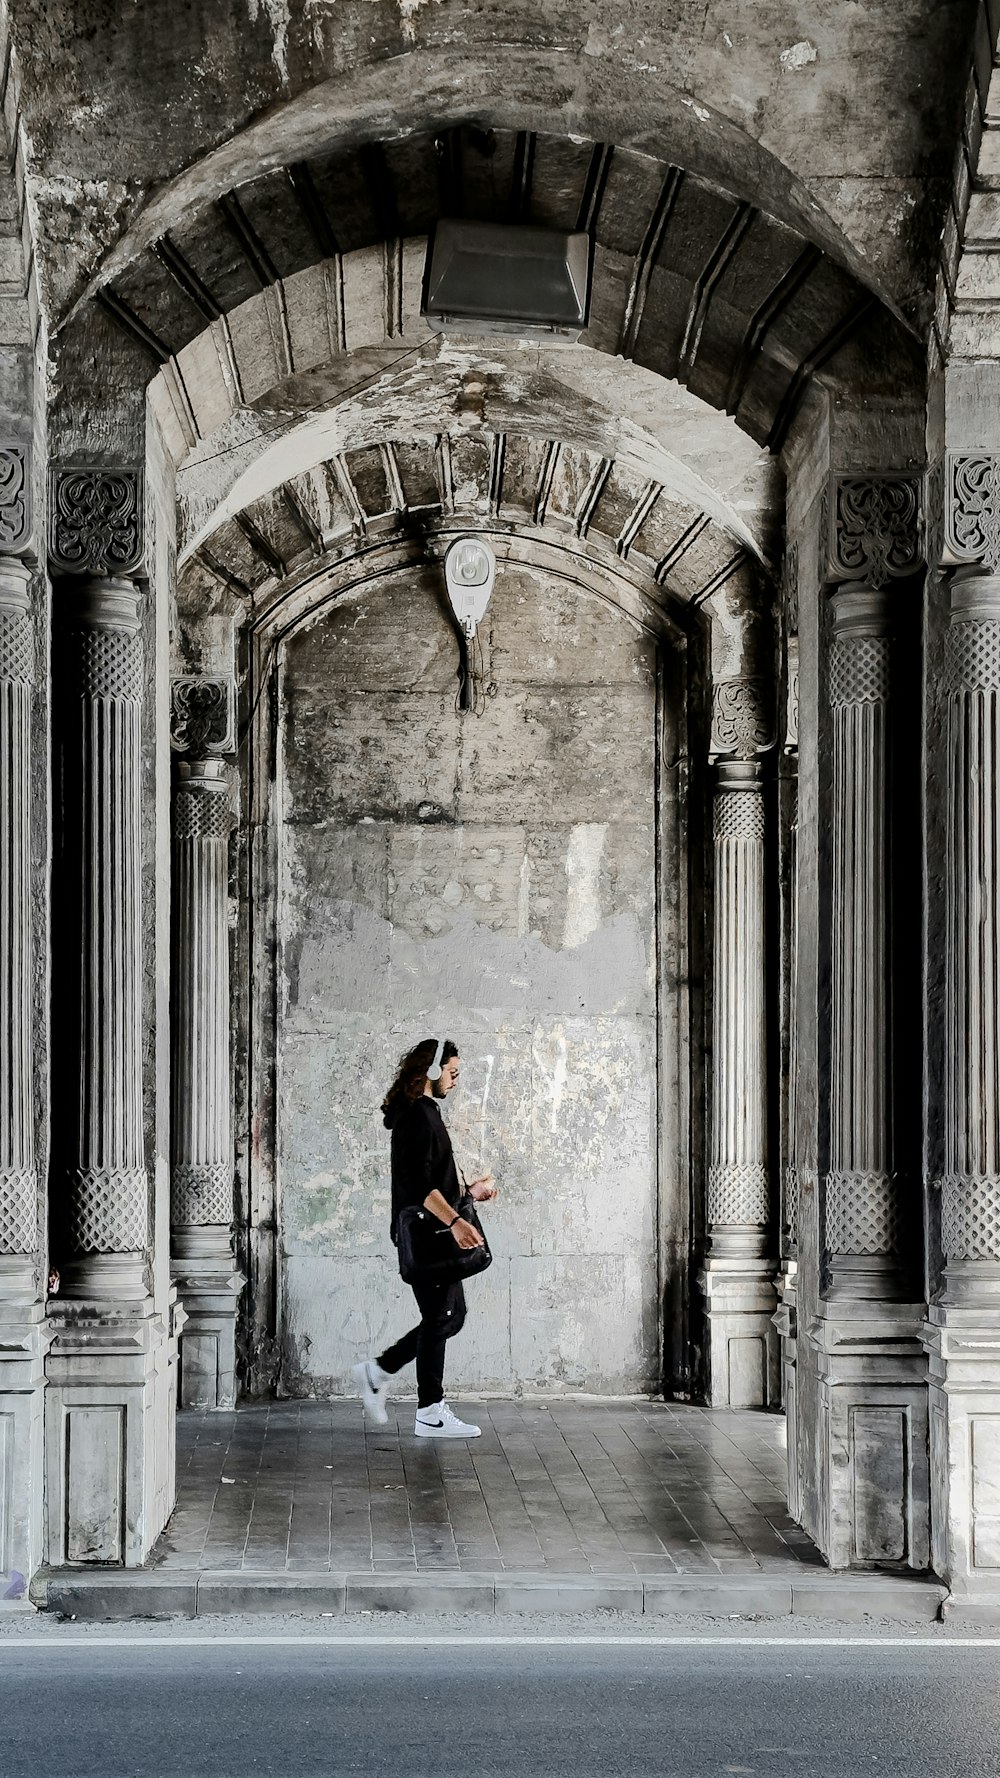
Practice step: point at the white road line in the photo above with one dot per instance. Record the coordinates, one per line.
(55, 1641)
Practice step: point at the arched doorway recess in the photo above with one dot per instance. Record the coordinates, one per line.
(259, 336)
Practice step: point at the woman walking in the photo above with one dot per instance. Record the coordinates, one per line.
(424, 1173)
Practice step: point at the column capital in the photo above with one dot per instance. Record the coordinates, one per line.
(872, 526)
(15, 587)
(860, 656)
(974, 596)
(96, 519)
(103, 602)
(861, 610)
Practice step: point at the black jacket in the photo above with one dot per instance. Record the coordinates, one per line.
(422, 1157)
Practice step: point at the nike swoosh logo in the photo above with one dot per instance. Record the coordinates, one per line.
(432, 1422)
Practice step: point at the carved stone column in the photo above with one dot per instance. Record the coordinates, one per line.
(963, 1324)
(786, 1314)
(738, 1276)
(102, 1463)
(202, 1147)
(862, 1217)
(871, 1369)
(22, 1336)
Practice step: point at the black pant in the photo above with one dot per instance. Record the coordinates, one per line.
(442, 1314)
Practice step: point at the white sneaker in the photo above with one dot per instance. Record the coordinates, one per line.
(373, 1387)
(440, 1422)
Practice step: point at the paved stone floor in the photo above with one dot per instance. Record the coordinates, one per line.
(560, 1488)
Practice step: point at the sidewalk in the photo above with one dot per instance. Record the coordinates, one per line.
(636, 1506)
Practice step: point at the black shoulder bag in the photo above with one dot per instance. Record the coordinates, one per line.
(428, 1251)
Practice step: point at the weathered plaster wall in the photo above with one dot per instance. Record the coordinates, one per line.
(491, 878)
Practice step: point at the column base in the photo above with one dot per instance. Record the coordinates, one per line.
(23, 1344)
(962, 1339)
(873, 1435)
(109, 1416)
(209, 1285)
(741, 1342)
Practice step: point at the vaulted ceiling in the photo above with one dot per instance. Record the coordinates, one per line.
(499, 482)
(689, 281)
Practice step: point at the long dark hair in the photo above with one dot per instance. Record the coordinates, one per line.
(412, 1072)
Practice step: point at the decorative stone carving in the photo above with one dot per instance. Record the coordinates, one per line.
(738, 1195)
(972, 508)
(108, 1197)
(873, 527)
(201, 1205)
(738, 1190)
(738, 1281)
(201, 716)
(202, 1141)
(970, 1211)
(741, 722)
(95, 520)
(16, 516)
(862, 1215)
(18, 1185)
(962, 1329)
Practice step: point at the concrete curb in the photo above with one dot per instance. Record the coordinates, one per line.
(135, 1593)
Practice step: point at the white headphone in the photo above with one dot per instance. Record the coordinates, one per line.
(434, 1071)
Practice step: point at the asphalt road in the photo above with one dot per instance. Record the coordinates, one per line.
(146, 1707)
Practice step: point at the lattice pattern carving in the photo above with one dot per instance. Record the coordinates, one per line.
(972, 656)
(741, 725)
(972, 508)
(110, 664)
(108, 1210)
(738, 1195)
(739, 815)
(862, 1213)
(96, 520)
(970, 1216)
(874, 533)
(792, 1204)
(15, 497)
(860, 669)
(201, 815)
(201, 715)
(18, 1212)
(17, 647)
(201, 1194)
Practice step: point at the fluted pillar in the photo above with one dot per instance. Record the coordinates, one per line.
(738, 1277)
(870, 1362)
(202, 1150)
(107, 1224)
(18, 1182)
(22, 1336)
(862, 1214)
(963, 1329)
(786, 1314)
(110, 1367)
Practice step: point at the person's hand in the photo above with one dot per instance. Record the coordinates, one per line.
(466, 1236)
(483, 1188)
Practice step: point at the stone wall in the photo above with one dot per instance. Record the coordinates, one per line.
(489, 877)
